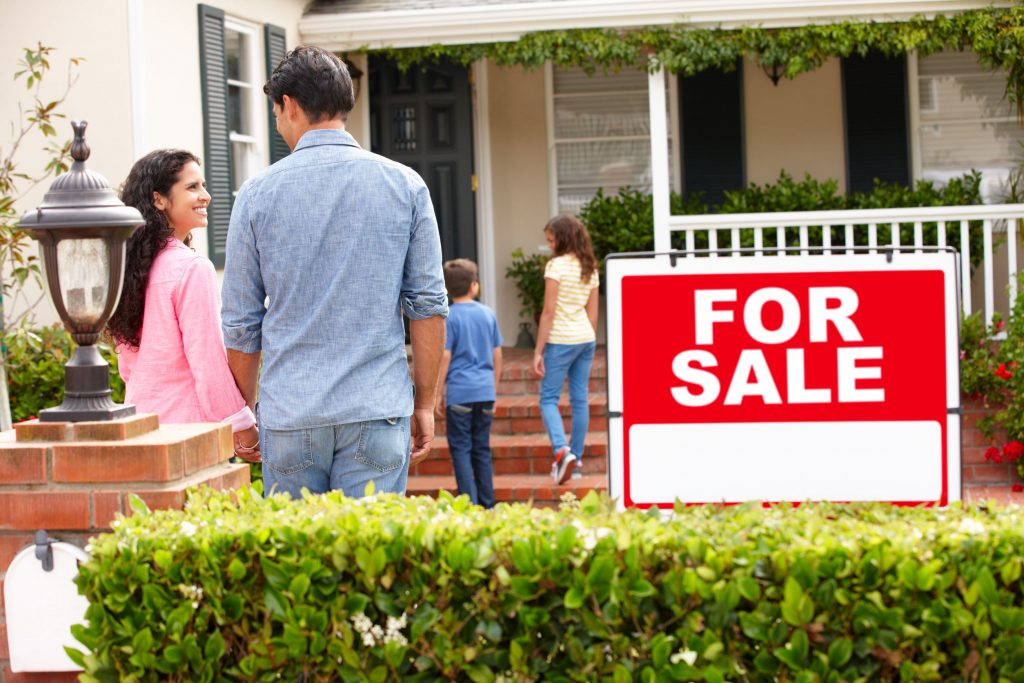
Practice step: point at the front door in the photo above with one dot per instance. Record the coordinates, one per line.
(423, 118)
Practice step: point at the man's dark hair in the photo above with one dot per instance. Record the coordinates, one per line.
(316, 79)
(459, 276)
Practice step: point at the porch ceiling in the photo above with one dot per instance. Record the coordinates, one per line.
(354, 24)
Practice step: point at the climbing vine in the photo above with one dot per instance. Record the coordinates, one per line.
(995, 34)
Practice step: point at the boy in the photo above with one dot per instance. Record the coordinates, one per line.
(470, 372)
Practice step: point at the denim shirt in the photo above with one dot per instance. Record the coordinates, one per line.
(325, 250)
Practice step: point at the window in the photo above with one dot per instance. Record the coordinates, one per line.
(237, 123)
(245, 92)
(965, 122)
(599, 134)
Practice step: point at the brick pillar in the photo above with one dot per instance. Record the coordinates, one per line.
(71, 479)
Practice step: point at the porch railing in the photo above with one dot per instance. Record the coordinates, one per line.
(986, 238)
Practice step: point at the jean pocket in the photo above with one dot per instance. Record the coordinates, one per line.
(287, 451)
(460, 409)
(384, 444)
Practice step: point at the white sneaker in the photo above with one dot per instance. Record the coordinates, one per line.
(563, 466)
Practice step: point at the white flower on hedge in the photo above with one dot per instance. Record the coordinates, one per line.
(188, 528)
(688, 656)
(971, 526)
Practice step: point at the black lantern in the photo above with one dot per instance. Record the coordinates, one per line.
(81, 227)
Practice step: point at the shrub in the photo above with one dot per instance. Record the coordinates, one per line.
(35, 369)
(528, 274)
(393, 588)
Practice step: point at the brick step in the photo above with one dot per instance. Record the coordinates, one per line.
(515, 488)
(515, 387)
(517, 372)
(517, 454)
(521, 414)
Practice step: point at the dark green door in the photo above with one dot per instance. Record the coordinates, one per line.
(423, 118)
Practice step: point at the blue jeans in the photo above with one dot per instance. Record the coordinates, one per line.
(560, 361)
(469, 441)
(345, 457)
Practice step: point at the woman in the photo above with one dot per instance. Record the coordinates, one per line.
(167, 324)
(566, 339)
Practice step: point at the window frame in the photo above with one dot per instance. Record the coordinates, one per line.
(255, 158)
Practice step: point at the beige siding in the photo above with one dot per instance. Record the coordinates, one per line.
(520, 177)
(796, 125)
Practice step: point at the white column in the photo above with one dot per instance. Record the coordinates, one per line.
(137, 78)
(484, 195)
(659, 159)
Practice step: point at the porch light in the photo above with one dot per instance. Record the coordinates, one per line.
(356, 73)
(81, 227)
(774, 72)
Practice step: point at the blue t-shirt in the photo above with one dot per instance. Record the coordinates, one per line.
(472, 337)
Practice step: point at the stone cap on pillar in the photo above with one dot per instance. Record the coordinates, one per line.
(108, 430)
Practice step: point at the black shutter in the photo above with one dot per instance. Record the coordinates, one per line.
(711, 113)
(275, 44)
(875, 115)
(213, 72)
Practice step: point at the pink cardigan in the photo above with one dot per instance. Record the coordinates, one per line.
(180, 370)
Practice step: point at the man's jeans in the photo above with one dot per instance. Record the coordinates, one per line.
(346, 457)
(469, 440)
(574, 361)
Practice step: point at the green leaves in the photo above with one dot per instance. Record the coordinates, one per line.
(818, 593)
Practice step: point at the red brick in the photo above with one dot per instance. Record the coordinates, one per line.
(989, 474)
(172, 497)
(116, 430)
(11, 545)
(105, 506)
(970, 455)
(5, 652)
(34, 430)
(50, 510)
(51, 677)
(135, 461)
(207, 449)
(21, 464)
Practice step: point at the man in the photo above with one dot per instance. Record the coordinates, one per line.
(325, 251)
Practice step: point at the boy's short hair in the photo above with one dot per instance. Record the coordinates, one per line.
(459, 276)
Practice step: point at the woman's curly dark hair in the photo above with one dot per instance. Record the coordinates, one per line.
(155, 172)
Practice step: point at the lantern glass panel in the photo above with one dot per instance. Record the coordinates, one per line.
(83, 267)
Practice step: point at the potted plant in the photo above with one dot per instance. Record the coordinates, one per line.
(528, 274)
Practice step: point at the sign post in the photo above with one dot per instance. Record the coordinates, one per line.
(784, 379)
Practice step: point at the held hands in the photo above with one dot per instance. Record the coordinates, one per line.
(247, 444)
(538, 363)
(422, 427)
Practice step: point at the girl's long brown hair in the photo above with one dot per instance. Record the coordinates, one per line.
(571, 237)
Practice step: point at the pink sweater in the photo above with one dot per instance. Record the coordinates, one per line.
(180, 370)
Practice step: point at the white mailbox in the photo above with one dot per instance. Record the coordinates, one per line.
(42, 606)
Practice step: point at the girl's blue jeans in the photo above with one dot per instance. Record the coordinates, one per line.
(561, 361)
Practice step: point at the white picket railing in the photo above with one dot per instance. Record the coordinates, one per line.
(776, 235)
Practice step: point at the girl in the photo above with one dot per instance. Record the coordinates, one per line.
(167, 323)
(566, 338)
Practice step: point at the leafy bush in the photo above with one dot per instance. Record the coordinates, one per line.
(35, 369)
(413, 589)
(993, 372)
(625, 222)
(528, 274)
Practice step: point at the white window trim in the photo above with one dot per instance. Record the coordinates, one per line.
(914, 114)
(549, 115)
(254, 60)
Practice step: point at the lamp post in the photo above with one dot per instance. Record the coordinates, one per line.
(81, 227)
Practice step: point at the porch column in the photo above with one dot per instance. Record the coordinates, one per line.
(659, 156)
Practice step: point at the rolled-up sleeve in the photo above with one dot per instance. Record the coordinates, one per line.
(242, 292)
(423, 293)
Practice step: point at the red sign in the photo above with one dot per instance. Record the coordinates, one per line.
(721, 371)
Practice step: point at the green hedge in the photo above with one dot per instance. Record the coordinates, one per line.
(392, 588)
(34, 362)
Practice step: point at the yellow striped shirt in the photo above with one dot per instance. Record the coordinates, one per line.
(571, 325)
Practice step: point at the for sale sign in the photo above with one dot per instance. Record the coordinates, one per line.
(784, 379)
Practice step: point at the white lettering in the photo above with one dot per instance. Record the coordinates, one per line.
(753, 310)
(705, 315)
(682, 368)
(820, 314)
(849, 372)
(796, 381)
(752, 360)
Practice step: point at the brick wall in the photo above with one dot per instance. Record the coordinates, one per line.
(72, 479)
